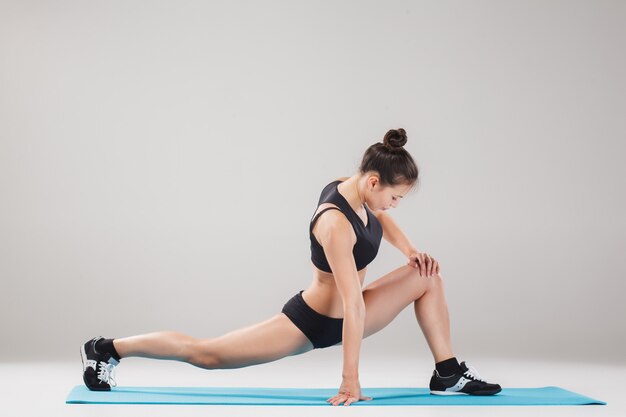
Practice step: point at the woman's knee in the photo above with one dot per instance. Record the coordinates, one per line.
(435, 282)
(435, 279)
(202, 355)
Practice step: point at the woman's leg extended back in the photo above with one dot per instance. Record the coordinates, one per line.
(267, 341)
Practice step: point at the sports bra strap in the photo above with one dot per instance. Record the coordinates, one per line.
(320, 213)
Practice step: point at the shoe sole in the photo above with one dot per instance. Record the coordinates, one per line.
(448, 393)
(477, 393)
(83, 358)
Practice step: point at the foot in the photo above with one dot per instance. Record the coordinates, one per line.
(466, 382)
(97, 367)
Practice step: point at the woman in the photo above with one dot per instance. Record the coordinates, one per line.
(345, 234)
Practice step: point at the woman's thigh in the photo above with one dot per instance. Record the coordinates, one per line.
(267, 341)
(386, 297)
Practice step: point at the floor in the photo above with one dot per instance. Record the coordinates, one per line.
(30, 388)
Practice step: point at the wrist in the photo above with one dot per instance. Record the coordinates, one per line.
(350, 376)
(409, 251)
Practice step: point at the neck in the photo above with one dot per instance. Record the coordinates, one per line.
(353, 192)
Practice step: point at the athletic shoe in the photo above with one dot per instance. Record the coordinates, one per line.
(466, 382)
(98, 367)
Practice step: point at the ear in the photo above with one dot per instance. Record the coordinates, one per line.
(372, 181)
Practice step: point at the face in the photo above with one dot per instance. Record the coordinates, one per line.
(383, 198)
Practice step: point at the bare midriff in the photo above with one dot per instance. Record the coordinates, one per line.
(323, 295)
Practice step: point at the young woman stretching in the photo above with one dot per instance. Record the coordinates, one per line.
(345, 231)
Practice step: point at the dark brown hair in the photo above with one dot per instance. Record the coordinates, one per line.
(390, 160)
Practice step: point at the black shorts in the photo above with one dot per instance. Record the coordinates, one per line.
(321, 330)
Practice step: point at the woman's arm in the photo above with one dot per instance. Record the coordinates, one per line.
(393, 234)
(337, 237)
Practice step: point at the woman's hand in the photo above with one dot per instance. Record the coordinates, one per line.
(426, 264)
(349, 392)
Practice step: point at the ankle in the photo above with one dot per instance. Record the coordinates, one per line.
(107, 346)
(448, 367)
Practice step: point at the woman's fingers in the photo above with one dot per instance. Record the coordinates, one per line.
(428, 265)
(346, 399)
(337, 399)
(422, 264)
(432, 266)
(351, 400)
(425, 264)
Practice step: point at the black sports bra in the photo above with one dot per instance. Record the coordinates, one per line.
(367, 237)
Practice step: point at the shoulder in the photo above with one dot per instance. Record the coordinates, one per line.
(328, 188)
(334, 227)
(333, 220)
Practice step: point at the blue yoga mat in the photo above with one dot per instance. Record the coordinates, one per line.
(318, 396)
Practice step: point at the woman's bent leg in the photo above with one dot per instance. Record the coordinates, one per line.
(431, 312)
(386, 297)
(264, 342)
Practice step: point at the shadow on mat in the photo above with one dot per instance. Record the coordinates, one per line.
(294, 397)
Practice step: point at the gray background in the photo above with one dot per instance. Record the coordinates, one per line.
(160, 162)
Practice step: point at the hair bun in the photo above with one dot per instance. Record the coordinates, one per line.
(395, 138)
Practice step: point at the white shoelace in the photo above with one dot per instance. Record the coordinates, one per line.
(472, 373)
(105, 373)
